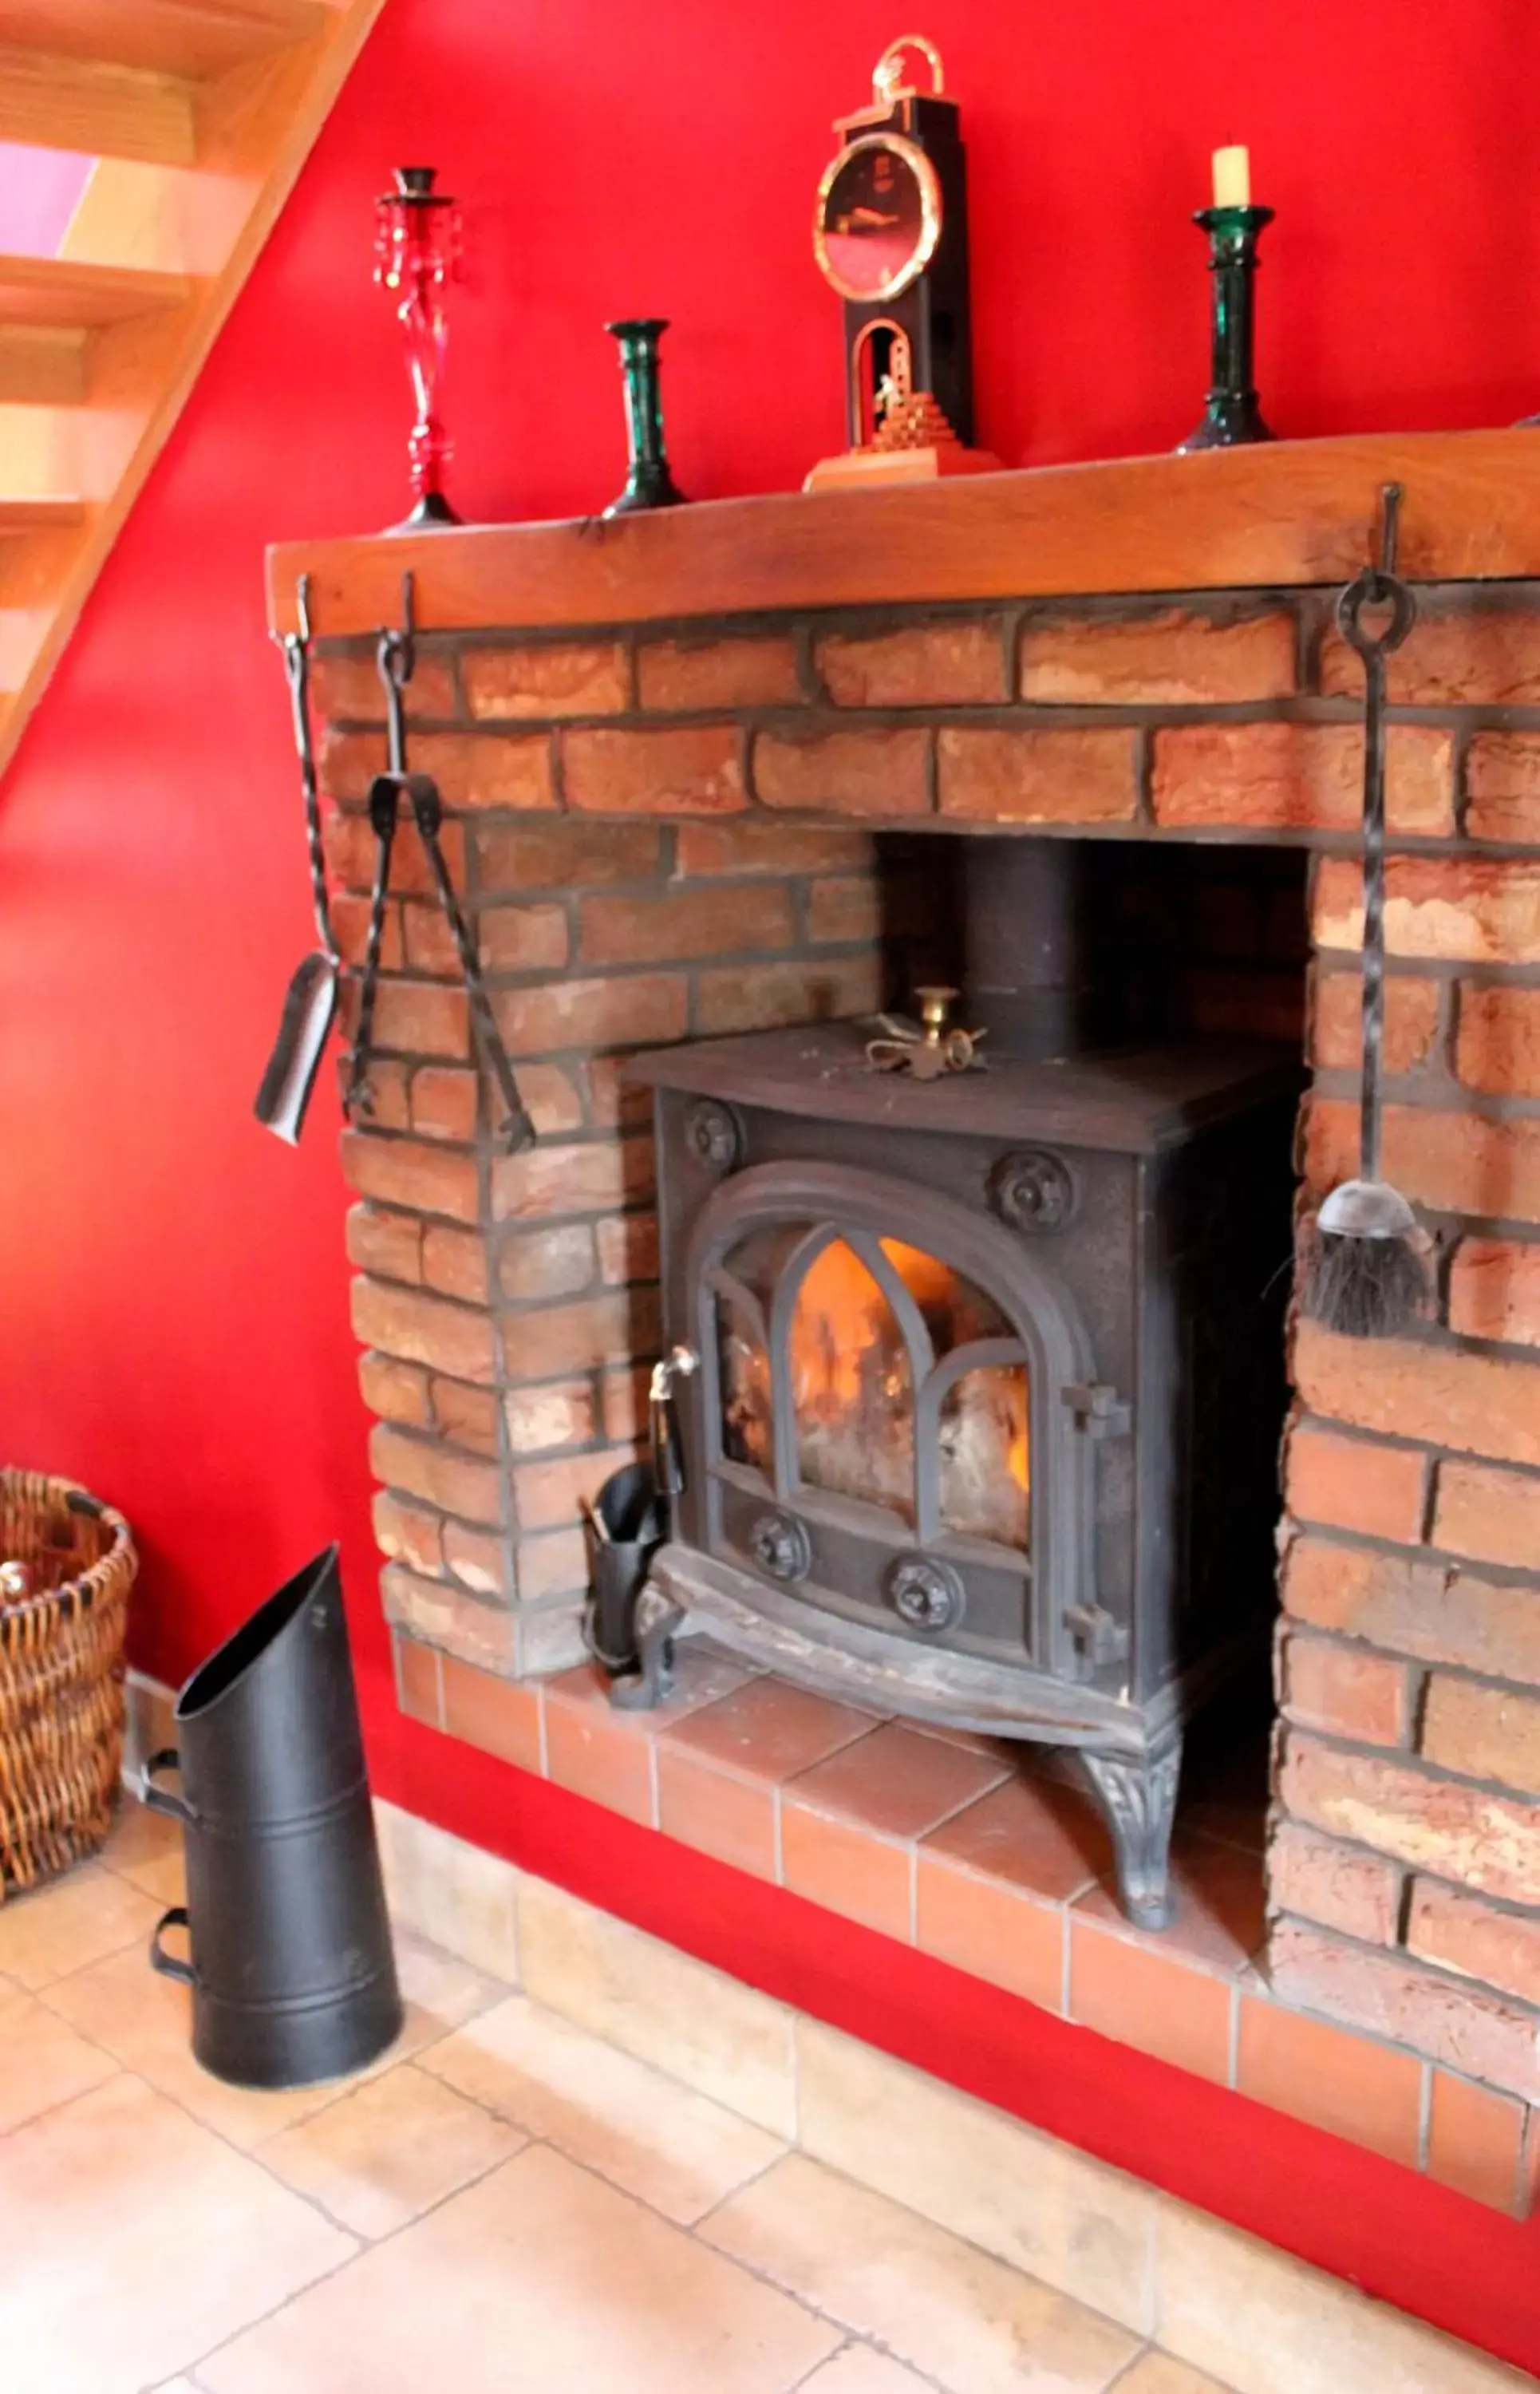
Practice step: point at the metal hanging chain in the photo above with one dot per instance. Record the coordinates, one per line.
(395, 656)
(296, 647)
(1378, 590)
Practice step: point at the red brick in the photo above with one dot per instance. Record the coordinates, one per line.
(678, 677)
(1172, 659)
(628, 1247)
(1494, 1290)
(351, 912)
(1365, 1697)
(1483, 1404)
(1354, 1483)
(478, 1560)
(614, 1102)
(443, 1102)
(1460, 910)
(449, 1617)
(526, 856)
(555, 1564)
(1305, 776)
(1476, 1941)
(1476, 2141)
(467, 1416)
(419, 1018)
(554, 678)
(1036, 775)
(1487, 1842)
(680, 923)
(417, 1679)
(1399, 1999)
(879, 774)
(420, 1329)
(1454, 1163)
(1430, 1610)
(1485, 1734)
(551, 1495)
(760, 998)
(1499, 1048)
(557, 1413)
(427, 942)
(1337, 1021)
(350, 850)
(454, 1263)
(396, 1391)
(923, 664)
(389, 1245)
(846, 910)
(594, 1178)
(538, 1265)
(403, 1172)
(628, 1010)
(759, 847)
(542, 1344)
(348, 688)
(408, 1535)
(1502, 779)
(1480, 656)
(421, 1466)
(1334, 1884)
(623, 1397)
(475, 771)
(1493, 1515)
(688, 769)
(523, 938)
(553, 1097)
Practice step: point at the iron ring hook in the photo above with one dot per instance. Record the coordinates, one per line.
(1375, 587)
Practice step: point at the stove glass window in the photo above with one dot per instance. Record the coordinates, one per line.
(984, 1461)
(852, 1383)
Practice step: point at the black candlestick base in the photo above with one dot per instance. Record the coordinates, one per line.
(1232, 416)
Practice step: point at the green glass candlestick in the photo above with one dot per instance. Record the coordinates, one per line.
(649, 482)
(1231, 414)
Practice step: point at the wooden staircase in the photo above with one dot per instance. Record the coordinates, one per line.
(198, 115)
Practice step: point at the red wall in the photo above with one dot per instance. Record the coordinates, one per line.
(173, 1296)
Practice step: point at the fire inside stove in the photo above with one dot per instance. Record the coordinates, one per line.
(864, 1334)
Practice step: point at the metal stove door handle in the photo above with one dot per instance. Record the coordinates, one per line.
(171, 1965)
(160, 1799)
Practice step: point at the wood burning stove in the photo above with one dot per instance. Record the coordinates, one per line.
(985, 1423)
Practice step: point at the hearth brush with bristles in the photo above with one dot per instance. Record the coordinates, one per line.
(1368, 1274)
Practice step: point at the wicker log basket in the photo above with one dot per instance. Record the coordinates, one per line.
(61, 1675)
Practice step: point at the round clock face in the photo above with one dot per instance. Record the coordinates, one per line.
(879, 217)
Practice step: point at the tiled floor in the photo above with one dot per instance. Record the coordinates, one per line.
(504, 2205)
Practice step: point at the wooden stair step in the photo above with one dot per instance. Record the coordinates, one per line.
(52, 310)
(28, 515)
(192, 40)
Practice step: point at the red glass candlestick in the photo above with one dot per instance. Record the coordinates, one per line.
(417, 253)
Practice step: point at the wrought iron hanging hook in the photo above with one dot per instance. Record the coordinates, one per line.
(1379, 586)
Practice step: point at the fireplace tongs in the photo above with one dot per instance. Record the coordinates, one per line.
(395, 659)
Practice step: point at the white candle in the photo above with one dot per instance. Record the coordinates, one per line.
(1232, 177)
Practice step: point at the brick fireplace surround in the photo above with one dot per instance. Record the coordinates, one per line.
(689, 762)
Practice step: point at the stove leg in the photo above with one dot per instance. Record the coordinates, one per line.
(1140, 1799)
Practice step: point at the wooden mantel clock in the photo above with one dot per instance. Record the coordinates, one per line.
(890, 234)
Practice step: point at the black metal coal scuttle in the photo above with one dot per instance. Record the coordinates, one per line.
(985, 1424)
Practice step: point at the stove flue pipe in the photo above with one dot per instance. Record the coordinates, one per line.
(1029, 951)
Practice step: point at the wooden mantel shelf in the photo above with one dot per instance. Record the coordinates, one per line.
(1291, 513)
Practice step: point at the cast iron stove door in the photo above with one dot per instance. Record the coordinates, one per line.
(882, 1412)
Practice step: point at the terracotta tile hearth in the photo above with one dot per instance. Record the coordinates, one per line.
(994, 1863)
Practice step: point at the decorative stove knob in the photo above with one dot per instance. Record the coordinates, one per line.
(925, 1593)
(780, 1546)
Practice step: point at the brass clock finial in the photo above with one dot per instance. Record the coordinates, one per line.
(888, 82)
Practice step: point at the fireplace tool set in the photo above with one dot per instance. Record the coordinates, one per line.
(311, 1003)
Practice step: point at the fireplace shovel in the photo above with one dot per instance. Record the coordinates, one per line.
(309, 1002)
(292, 1972)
